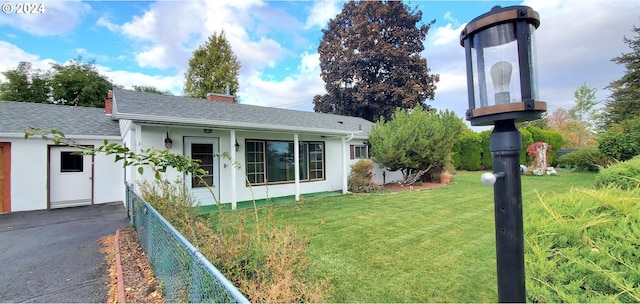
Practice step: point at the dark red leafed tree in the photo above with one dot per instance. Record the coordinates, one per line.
(370, 57)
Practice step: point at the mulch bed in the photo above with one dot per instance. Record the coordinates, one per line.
(140, 286)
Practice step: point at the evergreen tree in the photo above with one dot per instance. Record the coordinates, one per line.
(624, 102)
(212, 67)
(371, 63)
(414, 139)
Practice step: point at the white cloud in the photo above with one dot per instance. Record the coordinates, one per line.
(58, 18)
(445, 35)
(168, 31)
(322, 12)
(447, 16)
(294, 92)
(12, 55)
(128, 79)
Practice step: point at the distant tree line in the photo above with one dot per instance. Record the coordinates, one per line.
(74, 83)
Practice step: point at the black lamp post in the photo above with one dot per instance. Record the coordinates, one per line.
(503, 89)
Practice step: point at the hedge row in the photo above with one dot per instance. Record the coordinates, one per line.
(471, 151)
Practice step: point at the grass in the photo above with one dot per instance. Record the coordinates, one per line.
(434, 245)
(263, 202)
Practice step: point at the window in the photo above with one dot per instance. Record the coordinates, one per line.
(255, 162)
(70, 162)
(204, 153)
(359, 151)
(274, 161)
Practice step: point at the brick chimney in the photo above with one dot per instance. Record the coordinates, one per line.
(108, 103)
(221, 97)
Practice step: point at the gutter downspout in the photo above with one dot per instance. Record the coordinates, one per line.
(345, 167)
(296, 161)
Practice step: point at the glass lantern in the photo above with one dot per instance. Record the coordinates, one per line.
(501, 66)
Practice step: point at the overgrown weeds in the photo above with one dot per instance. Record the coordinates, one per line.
(267, 262)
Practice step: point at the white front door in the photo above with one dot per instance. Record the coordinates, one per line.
(206, 150)
(70, 178)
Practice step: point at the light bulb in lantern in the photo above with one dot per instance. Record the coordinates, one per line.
(501, 76)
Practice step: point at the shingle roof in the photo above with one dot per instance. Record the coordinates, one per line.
(70, 120)
(163, 108)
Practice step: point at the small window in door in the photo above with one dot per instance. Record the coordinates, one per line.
(70, 162)
(203, 153)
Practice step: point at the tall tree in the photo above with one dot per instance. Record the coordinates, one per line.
(574, 134)
(584, 113)
(542, 122)
(624, 102)
(584, 110)
(79, 83)
(212, 67)
(25, 84)
(370, 60)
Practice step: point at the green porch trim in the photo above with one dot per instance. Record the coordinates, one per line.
(272, 201)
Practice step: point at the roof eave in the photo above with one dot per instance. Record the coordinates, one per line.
(230, 124)
(68, 136)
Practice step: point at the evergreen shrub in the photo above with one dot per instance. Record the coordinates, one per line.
(468, 151)
(625, 175)
(582, 247)
(588, 159)
(486, 160)
(621, 141)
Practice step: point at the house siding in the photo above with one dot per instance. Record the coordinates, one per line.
(153, 137)
(29, 175)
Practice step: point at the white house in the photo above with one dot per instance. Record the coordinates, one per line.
(36, 174)
(280, 152)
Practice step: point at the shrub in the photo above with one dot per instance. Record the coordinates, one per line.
(360, 178)
(625, 175)
(527, 140)
(588, 159)
(581, 246)
(553, 138)
(621, 141)
(487, 160)
(468, 151)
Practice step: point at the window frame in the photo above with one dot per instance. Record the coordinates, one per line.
(356, 151)
(71, 162)
(264, 161)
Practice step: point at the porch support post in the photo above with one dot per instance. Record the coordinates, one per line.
(345, 171)
(296, 160)
(137, 147)
(234, 182)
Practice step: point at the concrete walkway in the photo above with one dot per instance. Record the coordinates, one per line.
(52, 255)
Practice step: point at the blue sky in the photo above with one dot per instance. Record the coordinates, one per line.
(150, 43)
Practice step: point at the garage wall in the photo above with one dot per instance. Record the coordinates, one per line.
(29, 169)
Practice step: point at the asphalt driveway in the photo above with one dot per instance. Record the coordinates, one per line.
(52, 255)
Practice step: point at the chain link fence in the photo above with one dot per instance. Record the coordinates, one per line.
(183, 273)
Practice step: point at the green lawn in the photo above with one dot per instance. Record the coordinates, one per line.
(434, 245)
